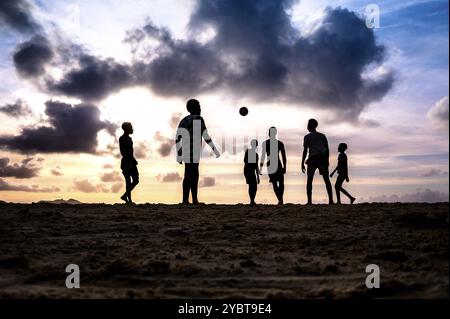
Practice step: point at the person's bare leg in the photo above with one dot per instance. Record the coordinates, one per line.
(281, 192)
(326, 179)
(194, 184)
(338, 195)
(252, 193)
(275, 190)
(309, 183)
(125, 196)
(186, 184)
(352, 199)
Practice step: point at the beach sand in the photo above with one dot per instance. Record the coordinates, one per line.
(224, 251)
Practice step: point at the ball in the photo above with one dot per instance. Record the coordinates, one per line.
(243, 111)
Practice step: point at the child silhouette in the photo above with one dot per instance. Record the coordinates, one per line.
(342, 169)
(251, 170)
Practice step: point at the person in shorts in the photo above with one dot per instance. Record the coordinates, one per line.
(315, 146)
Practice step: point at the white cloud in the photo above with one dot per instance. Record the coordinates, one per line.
(438, 114)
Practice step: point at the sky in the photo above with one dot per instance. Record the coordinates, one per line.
(73, 70)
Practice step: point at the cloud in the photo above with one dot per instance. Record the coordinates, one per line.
(5, 186)
(254, 52)
(207, 182)
(32, 56)
(111, 177)
(56, 172)
(71, 129)
(115, 188)
(169, 177)
(16, 110)
(93, 79)
(165, 144)
(23, 170)
(431, 172)
(175, 120)
(257, 53)
(17, 15)
(141, 150)
(86, 186)
(420, 196)
(438, 114)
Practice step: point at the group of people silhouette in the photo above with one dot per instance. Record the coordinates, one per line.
(192, 131)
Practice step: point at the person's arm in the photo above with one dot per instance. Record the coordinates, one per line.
(257, 169)
(305, 152)
(327, 149)
(283, 157)
(178, 144)
(263, 157)
(346, 169)
(332, 173)
(208, 139)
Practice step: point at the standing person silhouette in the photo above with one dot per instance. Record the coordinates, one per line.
(315, 145)
(128, 164)
(189, 137)
(275, 168)
(342, 169)
(251, 170)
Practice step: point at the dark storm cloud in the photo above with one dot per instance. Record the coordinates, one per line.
(17, 109)
(257, 53)
(23, 170)
(93, 79)
(31, 57)
(5, 186)
(71, 129)
(17, 15)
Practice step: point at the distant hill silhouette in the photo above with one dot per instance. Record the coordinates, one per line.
(61, 201)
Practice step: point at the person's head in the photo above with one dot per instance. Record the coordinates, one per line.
(312, 125)
(272, 132)
(254, 143)
(342, 147)
(193, 107)
(127, 128)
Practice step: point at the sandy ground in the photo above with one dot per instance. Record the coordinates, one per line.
(167, 251)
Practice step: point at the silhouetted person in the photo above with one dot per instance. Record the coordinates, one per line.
(251, 170)
(128, 163)
(342, 169)
(190, 134)
(275, 168)
(315, 145)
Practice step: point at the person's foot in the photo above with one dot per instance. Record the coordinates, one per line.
(352, 200)
(124, 198)
(185, 203)
(309, 203)
(252, 203)
(331, 203)
(338, 203)
(198, 203)
(280, 202)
